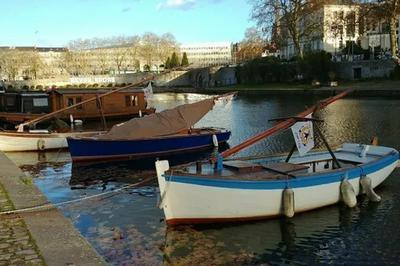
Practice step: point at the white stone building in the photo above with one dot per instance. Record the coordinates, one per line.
(377, 35)
(337, 25)
(25, 62)
(208, 54)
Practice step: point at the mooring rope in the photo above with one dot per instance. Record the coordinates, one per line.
(54, 205)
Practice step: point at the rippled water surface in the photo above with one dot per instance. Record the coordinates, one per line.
(128, 228)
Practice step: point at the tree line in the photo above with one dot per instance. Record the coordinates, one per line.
(94, 56)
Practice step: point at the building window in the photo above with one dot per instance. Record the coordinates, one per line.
(10, 101)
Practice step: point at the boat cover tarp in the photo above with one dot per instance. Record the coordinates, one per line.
(163, 123)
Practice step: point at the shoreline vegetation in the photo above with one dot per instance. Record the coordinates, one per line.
(387, 88)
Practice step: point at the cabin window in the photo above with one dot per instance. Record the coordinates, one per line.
(10, 101)
(70, 101)
(40, 102)
(79, 100)
(131, 100)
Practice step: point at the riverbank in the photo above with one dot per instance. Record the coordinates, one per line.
(43, 237)
(370, 88)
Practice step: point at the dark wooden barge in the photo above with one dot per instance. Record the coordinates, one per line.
(17, 107)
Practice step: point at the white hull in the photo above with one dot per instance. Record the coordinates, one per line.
(196, 203)
(14, 141)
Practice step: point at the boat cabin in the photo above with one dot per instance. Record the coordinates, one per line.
(119, 104)
(24, 102)
(17, 107)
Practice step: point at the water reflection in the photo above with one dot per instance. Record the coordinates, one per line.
(127, 228)
(274, 241)
(95, 173)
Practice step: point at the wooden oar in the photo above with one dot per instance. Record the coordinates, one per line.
(20, 127)
(282, 125)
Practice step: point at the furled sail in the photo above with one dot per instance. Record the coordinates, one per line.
(167, 122)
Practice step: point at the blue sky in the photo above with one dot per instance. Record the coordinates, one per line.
(55, 22)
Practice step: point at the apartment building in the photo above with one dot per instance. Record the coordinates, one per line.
(339, 24)
(208, 54)
(336, 25)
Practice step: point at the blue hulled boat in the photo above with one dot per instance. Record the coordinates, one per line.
(87, 149)
(169, 132)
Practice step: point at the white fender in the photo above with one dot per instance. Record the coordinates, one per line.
(215, 140)
(348, 194)
(288, 202)
(140, 113)
(41, 144)
(366, 185)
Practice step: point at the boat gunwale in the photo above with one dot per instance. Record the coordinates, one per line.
(212, 130)
(44, 135)
(304, 180)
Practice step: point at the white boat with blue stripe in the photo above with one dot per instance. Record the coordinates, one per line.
(238, 190)
(250, 190)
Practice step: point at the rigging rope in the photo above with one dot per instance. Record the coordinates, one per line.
(51, 205)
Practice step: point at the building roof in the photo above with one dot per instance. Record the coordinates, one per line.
(207, 44)
(34, 48)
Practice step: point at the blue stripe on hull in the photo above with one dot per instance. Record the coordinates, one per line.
(86, 148)
(301, 181)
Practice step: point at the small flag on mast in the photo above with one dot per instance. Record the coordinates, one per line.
(303, 134)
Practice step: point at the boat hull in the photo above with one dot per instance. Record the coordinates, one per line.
(90, 149)
(191, 199)
(14, 141)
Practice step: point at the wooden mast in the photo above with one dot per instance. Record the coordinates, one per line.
(20, 127)
(282, 125)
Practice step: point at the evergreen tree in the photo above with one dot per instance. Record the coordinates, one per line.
(168, 63)
(174, 60)
(185, 61)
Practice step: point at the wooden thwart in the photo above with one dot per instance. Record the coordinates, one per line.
(243, 166)
(284, 167)
(279, 167)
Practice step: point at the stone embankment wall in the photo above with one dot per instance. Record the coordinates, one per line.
(201, 78)
(364, 69)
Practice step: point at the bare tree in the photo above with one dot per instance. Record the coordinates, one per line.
(77, 63)
(167, 45)
(133, 53)
(120, 55)
(102, 58)
(12, 62)
(296, 20)
(122, 52)
(149, 45)
(35, 63)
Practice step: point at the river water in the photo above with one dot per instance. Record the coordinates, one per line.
(127, 227)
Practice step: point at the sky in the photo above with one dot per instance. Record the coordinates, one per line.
(56, 22)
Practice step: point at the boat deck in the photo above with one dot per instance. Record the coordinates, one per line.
(275, 168)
